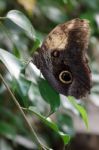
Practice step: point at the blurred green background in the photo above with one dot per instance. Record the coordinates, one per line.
(44, 15)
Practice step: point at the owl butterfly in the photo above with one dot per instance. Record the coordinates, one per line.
(62, 58)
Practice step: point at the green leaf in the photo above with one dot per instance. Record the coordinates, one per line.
(49, 94)
(23, 86)
(51, 124)
(6, 128)
(36, 44)
(12, 63)
(58, 16)
(22, 21)
(16, 51)
(15, 66)
(66, 123)
(80, 109)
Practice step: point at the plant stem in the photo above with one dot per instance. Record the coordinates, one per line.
(23, 114)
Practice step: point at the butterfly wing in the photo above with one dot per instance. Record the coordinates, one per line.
(61, 58)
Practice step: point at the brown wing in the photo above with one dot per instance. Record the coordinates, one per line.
(71, 39)
(58, 38)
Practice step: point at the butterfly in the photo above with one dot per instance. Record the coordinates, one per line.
(62, 58)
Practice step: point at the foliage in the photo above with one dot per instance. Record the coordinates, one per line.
(22, 33)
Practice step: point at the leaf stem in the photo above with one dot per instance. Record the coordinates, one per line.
(24, 116)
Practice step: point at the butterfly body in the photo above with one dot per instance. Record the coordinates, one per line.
(62, 58)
